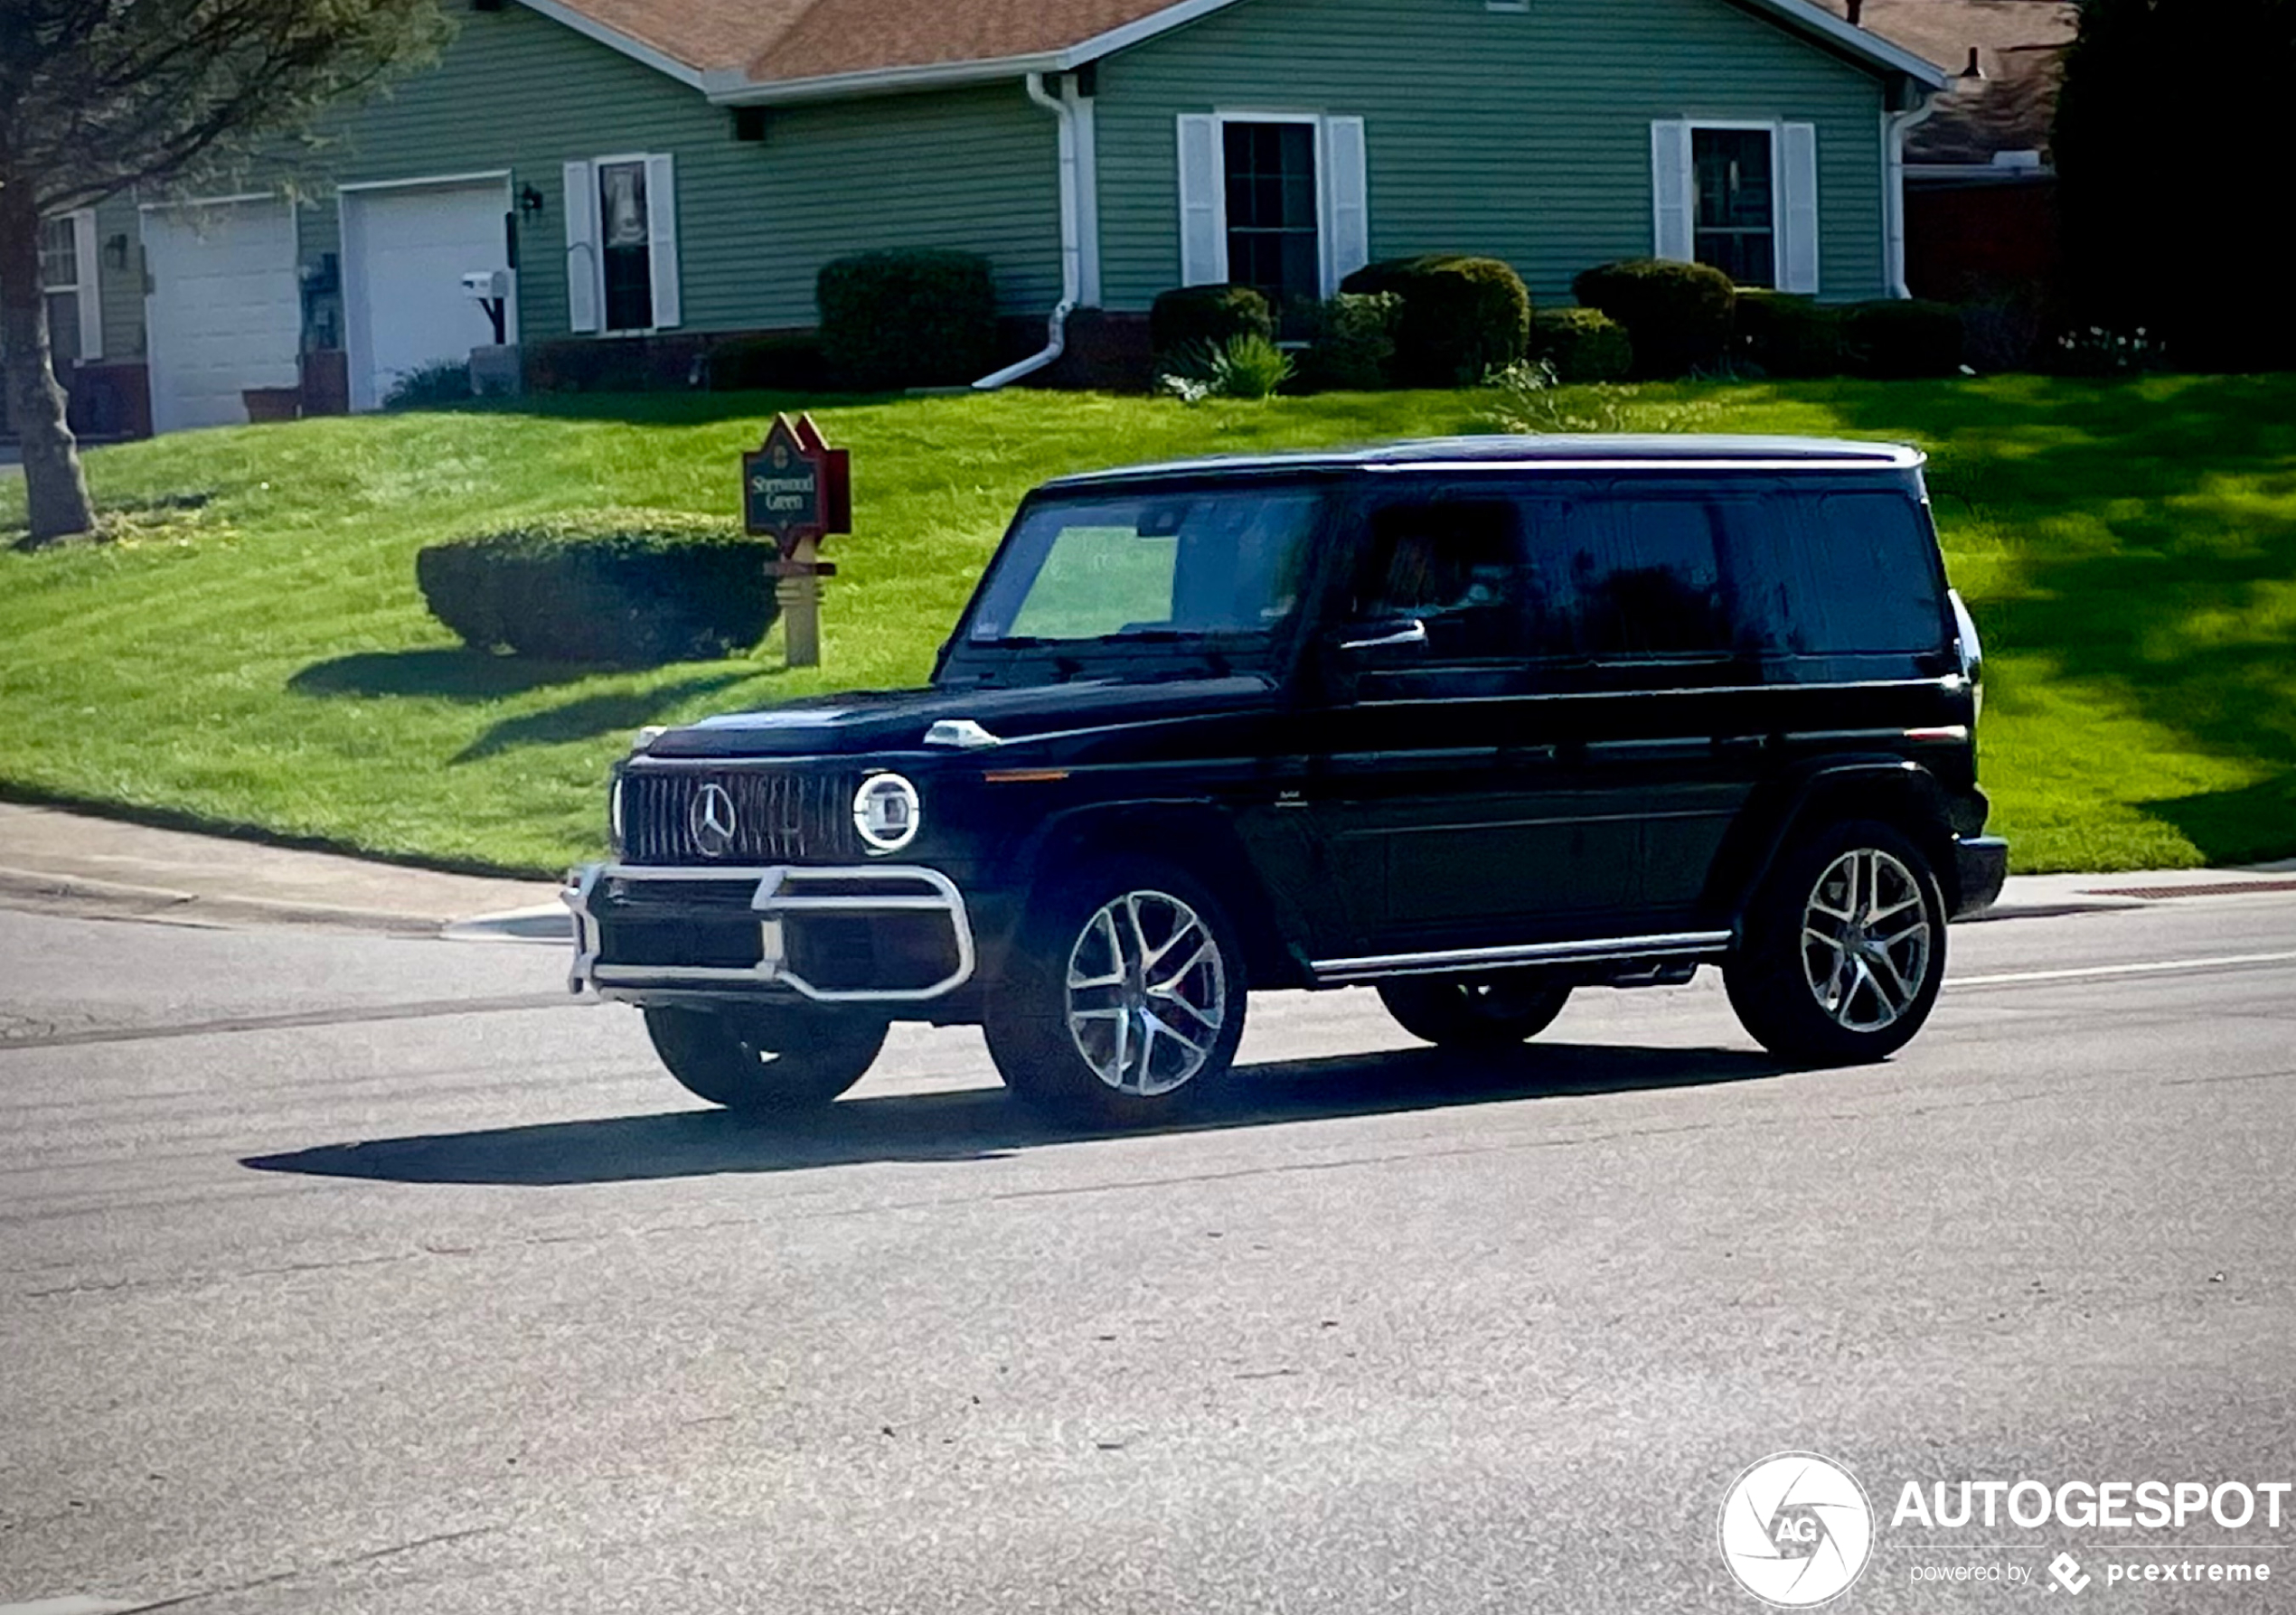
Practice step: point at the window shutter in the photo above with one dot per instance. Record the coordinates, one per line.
(1203, 250)
(1671, 197)
(91, 299)
(661, 238)
(582, 285)
(1347, 202)
(1798, 220)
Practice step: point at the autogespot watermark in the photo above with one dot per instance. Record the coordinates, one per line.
(1797, 1530)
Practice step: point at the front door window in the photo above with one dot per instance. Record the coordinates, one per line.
(1272, 243)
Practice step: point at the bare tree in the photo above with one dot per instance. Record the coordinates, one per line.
(99, 97)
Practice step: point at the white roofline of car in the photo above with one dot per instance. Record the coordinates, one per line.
(1559, 454)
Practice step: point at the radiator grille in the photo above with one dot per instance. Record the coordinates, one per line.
(780, 816)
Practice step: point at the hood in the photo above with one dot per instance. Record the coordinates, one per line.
(896, 720)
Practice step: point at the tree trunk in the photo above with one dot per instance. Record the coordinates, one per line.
(55, 490)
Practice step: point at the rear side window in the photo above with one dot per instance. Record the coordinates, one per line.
(1456, 568)
(1840, 574)
(1636, 576)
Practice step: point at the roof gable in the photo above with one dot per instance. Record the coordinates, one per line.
(767, 49)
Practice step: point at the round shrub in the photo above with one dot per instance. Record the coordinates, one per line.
(1193, 317)
(1462, 317)
(917, 318)
(1678, 315)
(1582, 345)
(1901, 338)
(1788, 334)
(625, 589)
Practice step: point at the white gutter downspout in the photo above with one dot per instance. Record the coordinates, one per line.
(1894, 127)
(1071, 246)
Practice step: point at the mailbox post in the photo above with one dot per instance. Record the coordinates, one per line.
(797, 490)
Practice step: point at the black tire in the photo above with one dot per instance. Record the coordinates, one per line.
(1493, 1011)
(1812, 1002)
(1043, 1055)
(764, 1063)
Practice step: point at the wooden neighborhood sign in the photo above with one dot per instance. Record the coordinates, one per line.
(797, 490)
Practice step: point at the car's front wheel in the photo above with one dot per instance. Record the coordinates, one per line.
(1844, 949)
(1492, 1011)
(764, 1062)
(1124, 999)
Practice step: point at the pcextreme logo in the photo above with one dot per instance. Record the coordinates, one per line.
(1796, 1530)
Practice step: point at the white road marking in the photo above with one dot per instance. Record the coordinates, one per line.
(2148, 968)
(75, 1605)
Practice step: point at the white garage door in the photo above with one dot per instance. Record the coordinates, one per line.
(223, 313)
(405, 251)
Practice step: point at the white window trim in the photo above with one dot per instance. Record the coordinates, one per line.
(358, 336)
(596, 255)
(87, 286)
(1776, 129)
(1326, 282)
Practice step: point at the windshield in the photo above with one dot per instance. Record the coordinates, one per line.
(1148, 567)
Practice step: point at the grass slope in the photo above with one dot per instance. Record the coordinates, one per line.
(253, 652)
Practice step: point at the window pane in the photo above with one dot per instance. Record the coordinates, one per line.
(625, 258)
(1859, 576)
(63, 330)
(1736, 207)
(1270, 187)
(1642, 578)
(1457, 568)
(59, 254)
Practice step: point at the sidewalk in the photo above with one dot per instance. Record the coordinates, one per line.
(74, 863)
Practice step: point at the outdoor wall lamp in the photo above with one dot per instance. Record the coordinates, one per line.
(116, 251)
(530, 201)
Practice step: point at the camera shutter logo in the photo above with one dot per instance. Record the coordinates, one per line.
(711, 819)
(1796, 1530)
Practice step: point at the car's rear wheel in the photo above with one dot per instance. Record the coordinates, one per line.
(1124, 999)
(1491, 1010)
(1844, 949)
(764, 1062)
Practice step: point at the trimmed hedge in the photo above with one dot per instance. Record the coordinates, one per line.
(1678, 315)
(1900, 339)
(1582, 345)
(1788, 334)
(1462, 317)
(621, 588)
(1189, 318)
(917, 318)
(1353, 343)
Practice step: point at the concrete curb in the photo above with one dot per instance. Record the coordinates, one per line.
(107, 899)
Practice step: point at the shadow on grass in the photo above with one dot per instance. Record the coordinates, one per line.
(592, 714)
(984, 1124)
(2167, 583)
(451, 671)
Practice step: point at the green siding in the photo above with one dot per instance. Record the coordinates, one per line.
(976, 170)
(1523, 134)
(121, 289)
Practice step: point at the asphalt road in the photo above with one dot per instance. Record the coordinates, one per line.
(341, 1273)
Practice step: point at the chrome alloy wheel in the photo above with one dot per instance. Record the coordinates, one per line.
(1147, 993)
(1865, 940)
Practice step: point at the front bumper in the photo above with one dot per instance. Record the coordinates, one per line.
(1980, 863)
(859, 935)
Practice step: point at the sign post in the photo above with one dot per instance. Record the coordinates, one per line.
(797, 490)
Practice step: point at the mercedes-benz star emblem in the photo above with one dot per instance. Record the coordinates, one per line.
(711, 820)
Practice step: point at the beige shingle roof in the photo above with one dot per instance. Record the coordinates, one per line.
(2020, 50)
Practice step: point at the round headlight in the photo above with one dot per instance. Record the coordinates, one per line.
(886, 812)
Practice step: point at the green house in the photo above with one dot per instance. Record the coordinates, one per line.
(672, 171)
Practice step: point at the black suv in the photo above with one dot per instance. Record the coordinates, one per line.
(1474, 722)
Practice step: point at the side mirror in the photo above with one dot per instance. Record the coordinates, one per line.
(1387, 635)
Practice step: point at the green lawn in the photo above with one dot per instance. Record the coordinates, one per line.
(253, 652)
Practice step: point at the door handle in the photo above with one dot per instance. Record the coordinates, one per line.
(1414, 632)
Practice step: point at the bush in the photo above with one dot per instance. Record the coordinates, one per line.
(1898, 339)
(770, 362)
(1242, 367)
(922, 318)
(1581, 344)
(1352, 343)
(626, 588)
(1678, 315)
(1787, 334)
(1462, 317)
(1192, 318)
(441, 381)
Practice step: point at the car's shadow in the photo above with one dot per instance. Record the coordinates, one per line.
(983, 1123)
